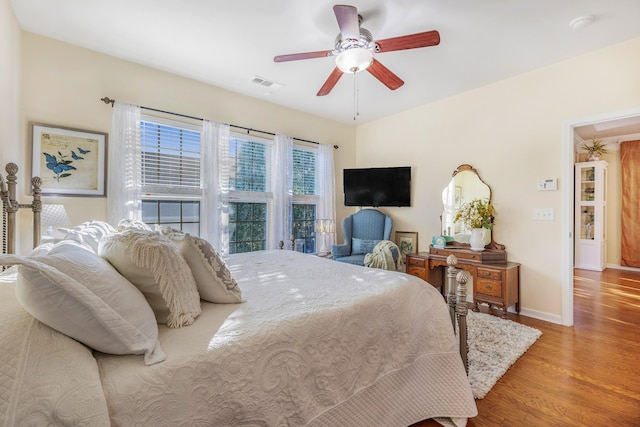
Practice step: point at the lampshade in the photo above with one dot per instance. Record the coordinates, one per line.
(53, 215)
(354, 60)
(324, 227)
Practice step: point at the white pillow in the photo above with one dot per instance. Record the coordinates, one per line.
(76, 292)
(126, 224)
(214, 280)
(41, 249)
(89, 233)
(153, 263)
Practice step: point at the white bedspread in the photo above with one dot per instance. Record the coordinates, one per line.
(317, 343)
(46, 378)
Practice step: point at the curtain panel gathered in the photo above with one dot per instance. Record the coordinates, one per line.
(325, 183)
(282, 189)
(215, 182)
(124, 169)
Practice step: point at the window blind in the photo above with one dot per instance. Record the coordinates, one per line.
(304, 171)
(248, 168)
(170, 159)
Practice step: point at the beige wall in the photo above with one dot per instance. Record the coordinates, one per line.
(9, 82)
(511, 131)
(62, 84)
(10, 42)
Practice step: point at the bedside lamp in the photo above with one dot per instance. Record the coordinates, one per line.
(53, 215)
(324, 227)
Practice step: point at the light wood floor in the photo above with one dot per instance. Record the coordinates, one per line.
(586, 375)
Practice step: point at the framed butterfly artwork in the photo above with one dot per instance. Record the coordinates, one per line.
(70, 162)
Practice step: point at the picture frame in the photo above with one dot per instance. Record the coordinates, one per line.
(70, 162)
(407, 242)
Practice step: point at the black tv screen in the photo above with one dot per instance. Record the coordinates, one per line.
(377, 186)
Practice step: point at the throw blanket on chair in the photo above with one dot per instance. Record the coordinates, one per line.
(382, 257)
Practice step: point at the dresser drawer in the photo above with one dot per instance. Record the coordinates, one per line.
(488, 273)
(417, 262)
(489, 287)
(417, 271)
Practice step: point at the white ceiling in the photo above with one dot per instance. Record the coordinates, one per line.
(228, 43)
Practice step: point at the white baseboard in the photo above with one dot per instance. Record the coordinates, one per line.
(541, 315)
(622, 267)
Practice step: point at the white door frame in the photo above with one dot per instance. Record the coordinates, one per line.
(568, 176)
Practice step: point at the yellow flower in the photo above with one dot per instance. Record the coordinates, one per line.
(476, 214)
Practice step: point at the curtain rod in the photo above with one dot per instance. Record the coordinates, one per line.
(111, 101)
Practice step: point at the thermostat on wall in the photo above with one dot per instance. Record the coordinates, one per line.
(548, 184)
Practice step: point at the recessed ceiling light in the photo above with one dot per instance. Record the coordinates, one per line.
(581, 22)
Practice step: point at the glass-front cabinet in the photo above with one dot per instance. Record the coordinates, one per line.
(591, 215)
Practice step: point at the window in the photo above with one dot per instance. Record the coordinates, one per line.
(248, 165)
(247, 227)
(172, 185)
(170, 172)
(179, 214)
(250, 197)
(304, 171)
(249, 194)
(303, 218)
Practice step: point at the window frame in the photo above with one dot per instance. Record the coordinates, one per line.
(159, 193)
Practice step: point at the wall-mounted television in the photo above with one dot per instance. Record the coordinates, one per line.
(377, 186)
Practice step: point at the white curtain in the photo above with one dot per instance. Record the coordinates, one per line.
(214, 218)
(124, 182)
(325, 178)
(282, 189)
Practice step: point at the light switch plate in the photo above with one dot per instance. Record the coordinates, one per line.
(543, 214)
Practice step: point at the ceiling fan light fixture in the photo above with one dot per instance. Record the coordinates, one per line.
(354, 60)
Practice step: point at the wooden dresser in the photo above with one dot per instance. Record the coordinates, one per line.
(495, 280)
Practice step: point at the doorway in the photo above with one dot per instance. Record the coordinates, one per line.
(610, 122)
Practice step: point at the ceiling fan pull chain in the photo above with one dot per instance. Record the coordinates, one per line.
(356, 104)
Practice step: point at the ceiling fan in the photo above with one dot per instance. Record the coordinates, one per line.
(355, 47)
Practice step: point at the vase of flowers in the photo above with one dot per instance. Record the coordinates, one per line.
(477, 215)
(476, 241)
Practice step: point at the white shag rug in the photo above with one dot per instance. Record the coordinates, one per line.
(494, 345)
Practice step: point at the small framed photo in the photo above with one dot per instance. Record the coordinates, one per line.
(407, 242)
(70, 162)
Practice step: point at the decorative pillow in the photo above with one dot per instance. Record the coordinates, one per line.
(88, 233)
(76, 292)
(154, 264)
(211, 273)
(127, 224)
(362, 246)
(41, 249)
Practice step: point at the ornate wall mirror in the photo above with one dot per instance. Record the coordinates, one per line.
(464, 186)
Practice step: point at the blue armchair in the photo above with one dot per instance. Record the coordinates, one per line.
(362, 231)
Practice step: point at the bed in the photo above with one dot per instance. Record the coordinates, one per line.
(313, 343)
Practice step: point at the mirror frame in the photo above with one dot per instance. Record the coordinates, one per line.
(468, 168)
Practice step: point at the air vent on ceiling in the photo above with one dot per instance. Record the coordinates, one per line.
(270, 85)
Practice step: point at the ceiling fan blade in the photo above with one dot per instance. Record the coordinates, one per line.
(385, 75)
(412, 41)
(348, 22)
(331, 82)
(305, 55)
